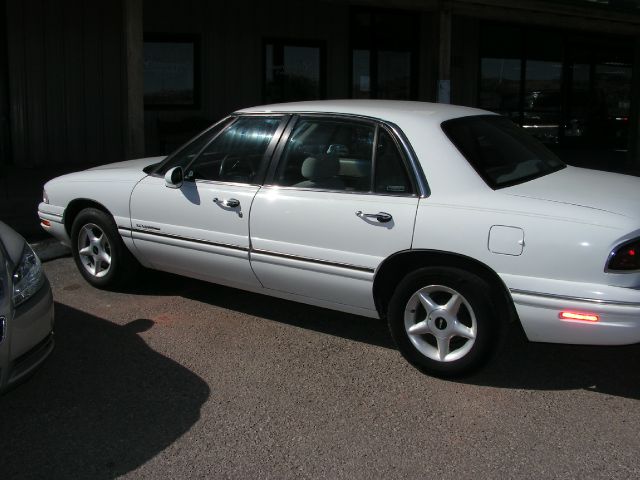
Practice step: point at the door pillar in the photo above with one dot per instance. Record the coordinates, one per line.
(133, 78)
(634, 117)
(5, 137)
(444, 56)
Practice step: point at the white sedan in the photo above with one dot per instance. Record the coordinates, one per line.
(447, 221)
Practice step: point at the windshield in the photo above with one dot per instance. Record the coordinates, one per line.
(500, 151)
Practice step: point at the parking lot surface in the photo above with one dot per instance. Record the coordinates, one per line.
(182, 379)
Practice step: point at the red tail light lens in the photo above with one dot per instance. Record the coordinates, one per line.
(626, 257)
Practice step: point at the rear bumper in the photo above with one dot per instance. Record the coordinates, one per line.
(618, 318)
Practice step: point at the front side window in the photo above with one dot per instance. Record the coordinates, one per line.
(502, 153)
(338, 154)
(187, 153)
(237, 154)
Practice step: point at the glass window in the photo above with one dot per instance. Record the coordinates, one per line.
(361, 87)
(185, 154)
(390, 173)
(500, 151)
(293, 72)
(237, 154)
(329, 154)
(394, 75)
(500, 85)
(171, 71)
(384, 54)
(542, 100)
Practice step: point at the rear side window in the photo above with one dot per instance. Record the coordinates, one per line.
(391, 176)
(339, 154)
(328, 154)
(502, 153)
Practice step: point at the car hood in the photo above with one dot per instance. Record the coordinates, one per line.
(135, 165)
(609, 192)
(130, 171)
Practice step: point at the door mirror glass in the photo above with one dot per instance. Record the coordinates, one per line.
(174, 177)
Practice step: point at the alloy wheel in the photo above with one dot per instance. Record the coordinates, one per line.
(440, 323)
(94, 250)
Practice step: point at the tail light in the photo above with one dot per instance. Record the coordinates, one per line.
(625, 257)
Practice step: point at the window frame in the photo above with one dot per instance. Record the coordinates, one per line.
(410, 163)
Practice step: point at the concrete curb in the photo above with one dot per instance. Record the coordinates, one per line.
(50, 249)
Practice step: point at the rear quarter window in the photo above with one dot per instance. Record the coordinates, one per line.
(502, 153)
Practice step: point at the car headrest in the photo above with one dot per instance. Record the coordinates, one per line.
(319, 168)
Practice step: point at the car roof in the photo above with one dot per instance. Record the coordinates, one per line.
(396, 111)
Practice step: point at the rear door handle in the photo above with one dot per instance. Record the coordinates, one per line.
(382, 217)
(231, 203)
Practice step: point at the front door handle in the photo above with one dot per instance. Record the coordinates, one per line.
(231, 203)
(382, 217)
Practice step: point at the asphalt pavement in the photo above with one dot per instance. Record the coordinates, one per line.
(178, 378)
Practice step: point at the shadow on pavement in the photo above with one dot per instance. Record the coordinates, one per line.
(520, 365)
(545, 366)
(322, 320)
(102, 405)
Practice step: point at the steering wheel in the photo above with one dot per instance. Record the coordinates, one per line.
(234, 167)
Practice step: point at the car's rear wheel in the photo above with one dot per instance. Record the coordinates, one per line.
(98, 250)
(444, 321)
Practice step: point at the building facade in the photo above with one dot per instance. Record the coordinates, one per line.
(89, 82)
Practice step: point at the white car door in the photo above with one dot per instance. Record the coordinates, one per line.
(333, 208)
(202, 228)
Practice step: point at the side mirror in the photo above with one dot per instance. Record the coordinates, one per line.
(174, 177)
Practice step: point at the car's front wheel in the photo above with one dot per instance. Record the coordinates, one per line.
(443, 321)
(100, 255)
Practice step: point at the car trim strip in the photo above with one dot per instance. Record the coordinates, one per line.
(253, 250)
(313, 260)
(573, 299)
(186, 239)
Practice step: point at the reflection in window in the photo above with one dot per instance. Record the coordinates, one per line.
(579, 100)
(170, 72)
(542, 100)
(237, 154)
(613, 102)
(390, 173)
(361, 74)
(564, 89)
(500, 85)
(188, 152)
(384, 54)
(394, 75)
(292, 72)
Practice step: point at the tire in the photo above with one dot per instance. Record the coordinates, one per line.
(99, 252)
(444, 321)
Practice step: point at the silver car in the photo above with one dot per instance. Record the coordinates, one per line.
(26, 309)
